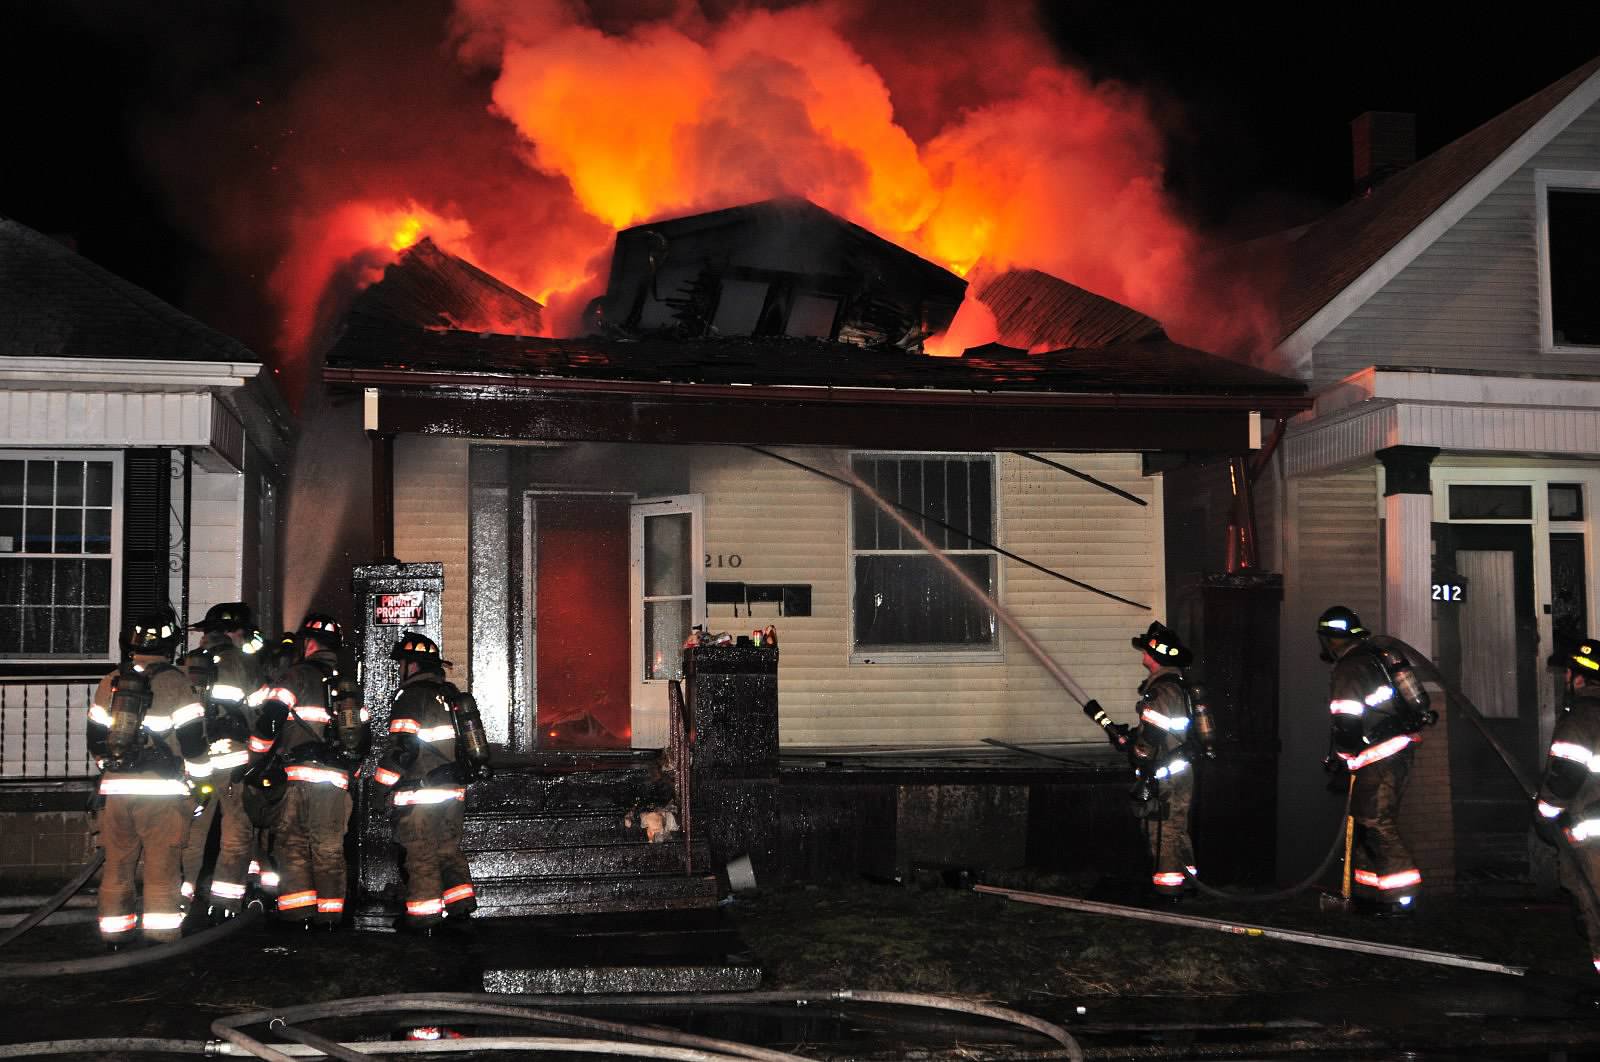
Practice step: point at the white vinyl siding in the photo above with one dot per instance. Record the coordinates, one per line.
(216, 538)
(789, 526)
(431, 506)
(1472, 299)
(1332, 553)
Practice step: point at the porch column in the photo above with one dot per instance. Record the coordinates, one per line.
(1408, 544)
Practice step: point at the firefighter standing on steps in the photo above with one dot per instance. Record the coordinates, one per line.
(320, 743)
(147, 729)
(1174, 726)
(1377, 708)
(436, 746)
(1569, 792)
(224, 674)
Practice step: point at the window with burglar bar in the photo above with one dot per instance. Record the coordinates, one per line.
(57, 554)
(905, 599)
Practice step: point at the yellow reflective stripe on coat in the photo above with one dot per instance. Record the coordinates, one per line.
(224, 692)
(410, 797)
(318, 775)
(143, 787)
(188, 713)
(1171, 724)
(1381, 751)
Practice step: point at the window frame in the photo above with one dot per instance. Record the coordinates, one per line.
(12, 662)
(988, 654)
(1545, 181)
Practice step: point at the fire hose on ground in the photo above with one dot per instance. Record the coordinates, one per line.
(639, 1041)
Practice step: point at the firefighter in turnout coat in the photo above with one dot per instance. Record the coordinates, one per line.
(224, 670)
(319, 752)
(1377, 707)
(1569, 792)
(1173, 729)
(147, 730)
(436, 746)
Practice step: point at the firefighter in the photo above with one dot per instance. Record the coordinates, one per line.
(1377, 708)
(147, 730)
(277, 657)
(299, 723)
(436, 747)
(1569, 794)
(225, 675)
(1174, 728)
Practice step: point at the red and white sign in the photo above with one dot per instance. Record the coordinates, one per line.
(399, 610)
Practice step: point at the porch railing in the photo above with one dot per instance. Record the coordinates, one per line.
(42, 730)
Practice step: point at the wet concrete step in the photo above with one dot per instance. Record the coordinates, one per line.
(586, 860)
(636, 892)
(538, 792)
(680, 951)
(486, 831)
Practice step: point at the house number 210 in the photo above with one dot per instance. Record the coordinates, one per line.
(723, 560)
(1446, 592)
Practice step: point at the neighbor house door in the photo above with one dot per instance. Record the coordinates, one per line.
(668, 587)
(1486, 631)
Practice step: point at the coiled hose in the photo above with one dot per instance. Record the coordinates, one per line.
(1334, 851)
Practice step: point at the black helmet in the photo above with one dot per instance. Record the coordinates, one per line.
(227, 616)
(1162, 643)
(420, 648)
(324, 629)
(1583, 658)
(155, 634)
(1340, 622)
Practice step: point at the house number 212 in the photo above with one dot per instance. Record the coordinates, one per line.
(1446, 592)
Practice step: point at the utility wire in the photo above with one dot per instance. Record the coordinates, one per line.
(1102, 484)
(980, 543)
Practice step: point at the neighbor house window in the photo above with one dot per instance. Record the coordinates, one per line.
(906, 600)
(57, 555)
(1570, 224)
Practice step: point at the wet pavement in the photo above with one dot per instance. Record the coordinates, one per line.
(1257, 1000)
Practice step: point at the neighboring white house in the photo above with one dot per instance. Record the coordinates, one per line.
(1445, 485)
(142, 460)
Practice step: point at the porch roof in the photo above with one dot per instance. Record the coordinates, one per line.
(1151, 394)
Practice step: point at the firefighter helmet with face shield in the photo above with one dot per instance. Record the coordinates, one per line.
(323, 629)
(155, 634)
(1335, 624)
(1163, 645)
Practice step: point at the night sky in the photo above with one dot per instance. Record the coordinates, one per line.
(1256, 101)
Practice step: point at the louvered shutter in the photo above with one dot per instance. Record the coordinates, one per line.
(147, 503)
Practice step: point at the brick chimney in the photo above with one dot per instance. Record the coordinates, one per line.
(1382, 144)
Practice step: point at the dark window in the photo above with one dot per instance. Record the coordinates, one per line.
(1566, 501)
(1574, 219)
(904, 597)
(55, 557)
(1484, 502)
(1569, 589)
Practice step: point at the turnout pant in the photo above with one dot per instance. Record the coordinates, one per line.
(308, 846)
(1382, 865)
(235, 848)
(1170, 848)
(154, 827)
(1580, 862)
(436, 873)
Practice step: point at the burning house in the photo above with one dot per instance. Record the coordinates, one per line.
(569, 509)
(142, 462)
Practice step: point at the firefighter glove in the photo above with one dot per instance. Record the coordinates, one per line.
(1549, 830)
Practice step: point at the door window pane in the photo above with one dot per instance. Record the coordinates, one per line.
(668, 540)
(1566, 501)
(666, 625)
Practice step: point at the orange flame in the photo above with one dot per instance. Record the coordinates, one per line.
(1023, 162)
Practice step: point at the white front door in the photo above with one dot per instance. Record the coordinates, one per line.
(668, 580)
